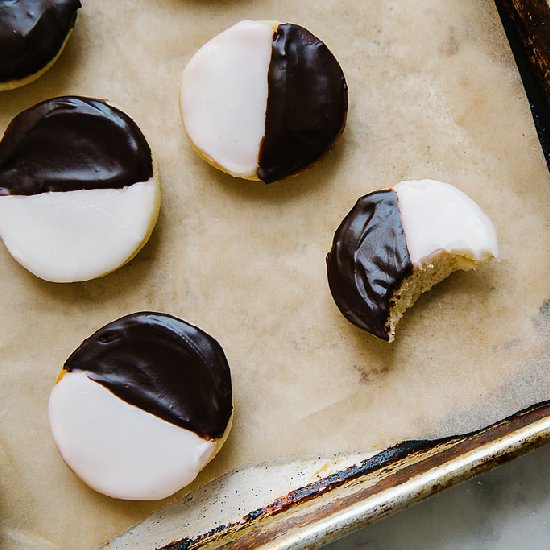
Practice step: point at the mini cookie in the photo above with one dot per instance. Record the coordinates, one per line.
(33, 34)
(397, 243)
(142, 406)
(79, 195)
(263, 100)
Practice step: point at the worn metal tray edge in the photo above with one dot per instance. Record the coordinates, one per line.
(378, 486)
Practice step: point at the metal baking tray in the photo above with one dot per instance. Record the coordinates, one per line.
(331, 498)
(338, 503)
(234, 258)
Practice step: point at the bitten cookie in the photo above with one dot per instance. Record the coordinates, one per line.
(33, 34)
(397, 243)
(141, 406)
(79, 194)
(263, 100)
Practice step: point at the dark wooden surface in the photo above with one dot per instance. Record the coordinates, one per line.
(527, 26)
(531, 18)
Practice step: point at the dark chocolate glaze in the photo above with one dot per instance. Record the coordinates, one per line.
(164, 366)
(32, 33)
(307, 103)
(70, 143)
(368, 261)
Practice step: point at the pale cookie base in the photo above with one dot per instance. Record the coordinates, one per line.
(13, 84)
(204, 156)
(423, 279)
(223, 438)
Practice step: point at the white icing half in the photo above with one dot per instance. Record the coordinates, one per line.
(78, 235)
(118, 449)
(437, 217)
(223, 96)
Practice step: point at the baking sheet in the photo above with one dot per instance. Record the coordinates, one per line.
(434, 93)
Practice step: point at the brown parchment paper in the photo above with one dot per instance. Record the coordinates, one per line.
(434, 93)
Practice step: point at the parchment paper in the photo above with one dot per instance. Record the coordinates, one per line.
(434, 93)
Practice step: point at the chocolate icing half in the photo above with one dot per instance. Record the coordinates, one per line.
(368, 261)
(164, 366)
(31, 34)
(306, 105)
(69, 143)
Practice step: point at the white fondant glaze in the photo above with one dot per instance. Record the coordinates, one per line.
(436, 217)
(118, 449)
(78, 235)
(223, 96)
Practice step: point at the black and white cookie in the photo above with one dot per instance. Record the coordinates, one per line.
(79, 195)
(397, 243)
(263, 100)
(141, 406)
(33, 34)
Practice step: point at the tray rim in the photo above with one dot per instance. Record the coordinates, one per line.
(385, 483)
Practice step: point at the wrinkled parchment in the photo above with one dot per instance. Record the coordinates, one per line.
(434, 93)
